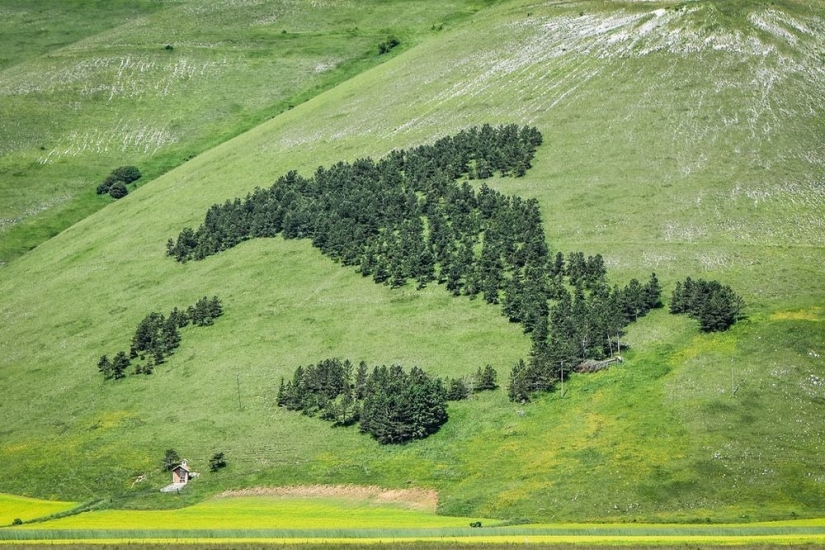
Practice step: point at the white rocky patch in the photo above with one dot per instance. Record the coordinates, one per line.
(125, 136)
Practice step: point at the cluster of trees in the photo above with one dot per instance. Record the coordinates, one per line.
(715, 306)
(388, 44)
(587, 323)
(116, 182)
(408, 217)
(377, 214)
(391, 405)
(462, 388)
(157, 336)
(171, 459)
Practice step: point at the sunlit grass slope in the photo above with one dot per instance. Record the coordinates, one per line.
(686, 142)
(88, 86)
(13, 507)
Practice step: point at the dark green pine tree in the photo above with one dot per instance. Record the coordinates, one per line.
(653, 293)
(714, 314)
(557, 267)
(171, 458)
(677, 300)
(457, 390)
(454, 279)
(346, 409)
(120, 363)
(380, 273)
(425, 267)
(281, 399)
(367, 262)
(634, 301)
(518, 390)
(170, 337)
(513, 306)
(399, 277)
(215, 308)
(361, 381)
(487, 378)
(104, 365)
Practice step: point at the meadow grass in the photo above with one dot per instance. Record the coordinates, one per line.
(15, 507)
(302, 516)
(350, 520)
(79, 99)
(683, 142)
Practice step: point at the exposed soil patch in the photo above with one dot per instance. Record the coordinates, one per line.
(414, 499)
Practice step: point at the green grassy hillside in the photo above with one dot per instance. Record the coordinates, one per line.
(679, 138)
(88, 86)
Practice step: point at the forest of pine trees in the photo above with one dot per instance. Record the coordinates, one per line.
(414, 216)
(157, 336)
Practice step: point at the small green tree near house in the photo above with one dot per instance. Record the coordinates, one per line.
(171, 458)
(217, 462)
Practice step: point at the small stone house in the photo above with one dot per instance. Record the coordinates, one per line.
(181, 473)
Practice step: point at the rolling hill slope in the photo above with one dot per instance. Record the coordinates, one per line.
(88, 86)
(684, 139)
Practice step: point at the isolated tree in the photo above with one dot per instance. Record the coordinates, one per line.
(171, 458)
(217, 462)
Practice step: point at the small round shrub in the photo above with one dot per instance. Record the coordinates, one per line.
(126, 174)
(118, 190)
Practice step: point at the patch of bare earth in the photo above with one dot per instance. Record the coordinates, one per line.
(425, 500)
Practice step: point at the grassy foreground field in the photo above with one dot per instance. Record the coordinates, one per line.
(686, 142)
(14, 507)
(338, 520)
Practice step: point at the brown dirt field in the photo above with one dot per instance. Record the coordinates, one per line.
(415, 499)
